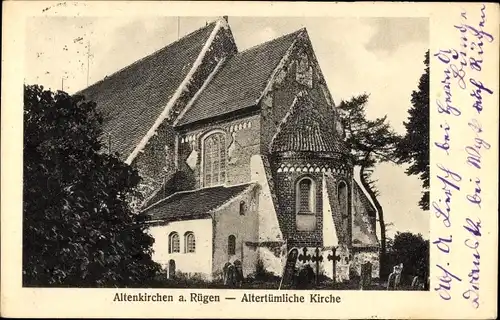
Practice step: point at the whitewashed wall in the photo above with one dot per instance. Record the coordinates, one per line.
(199, 261)
(330, 238)
(269, 229)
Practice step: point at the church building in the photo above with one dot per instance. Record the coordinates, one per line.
(242, 157)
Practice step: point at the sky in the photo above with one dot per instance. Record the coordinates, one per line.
(380, 56)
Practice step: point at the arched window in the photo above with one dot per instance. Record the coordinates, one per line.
(342, 197)
(231, 245)
(243, 208)
(214, 159)
(173, 243)
(306, 193)
(189, 242)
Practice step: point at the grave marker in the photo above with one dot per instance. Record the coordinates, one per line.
(289, 269)
(366, 275)
(317, 258)
(334, 258)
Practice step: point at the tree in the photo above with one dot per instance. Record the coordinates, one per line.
(78, 228)
(414, 146)
(370, 142)
(413, 251)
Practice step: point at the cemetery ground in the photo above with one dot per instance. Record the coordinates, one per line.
(270, 282)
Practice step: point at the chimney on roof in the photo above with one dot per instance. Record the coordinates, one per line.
(226, 18)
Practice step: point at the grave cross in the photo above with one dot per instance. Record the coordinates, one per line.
(334, 258)
(317, 258)
(304, 257)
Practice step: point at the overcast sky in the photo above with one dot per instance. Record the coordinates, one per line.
(380, 56)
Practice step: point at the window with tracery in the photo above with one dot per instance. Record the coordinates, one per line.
(214, 159)
(173, 243)
(189, 242)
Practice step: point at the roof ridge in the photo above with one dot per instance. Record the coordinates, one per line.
(181, 88)
(197, 94)
(149, 55)
(297, 32)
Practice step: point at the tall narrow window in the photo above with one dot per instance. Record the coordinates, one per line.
(243, 208)
(342, 196)
(305, 196)
(173, 242)
(214, 159)
(231, 245)
(189, 242)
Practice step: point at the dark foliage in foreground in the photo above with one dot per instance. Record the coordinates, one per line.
(78, 228)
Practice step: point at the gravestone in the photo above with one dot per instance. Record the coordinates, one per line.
(305, 278)
(289, 269)
(366, 275)
(398, 270)
(229, 274)
(390, 281)
(415, 283)
(395, 277)
(238, 270)
(171, 269)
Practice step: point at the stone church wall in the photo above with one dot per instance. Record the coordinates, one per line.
(287, 172)
(289, 81)
(286, 192)
(228, 220)
(242, 142)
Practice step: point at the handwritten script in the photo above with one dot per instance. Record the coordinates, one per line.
(461, 70)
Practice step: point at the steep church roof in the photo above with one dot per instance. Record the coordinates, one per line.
(195, 204)
(305, 128)
(240, 81)
(132, 98)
